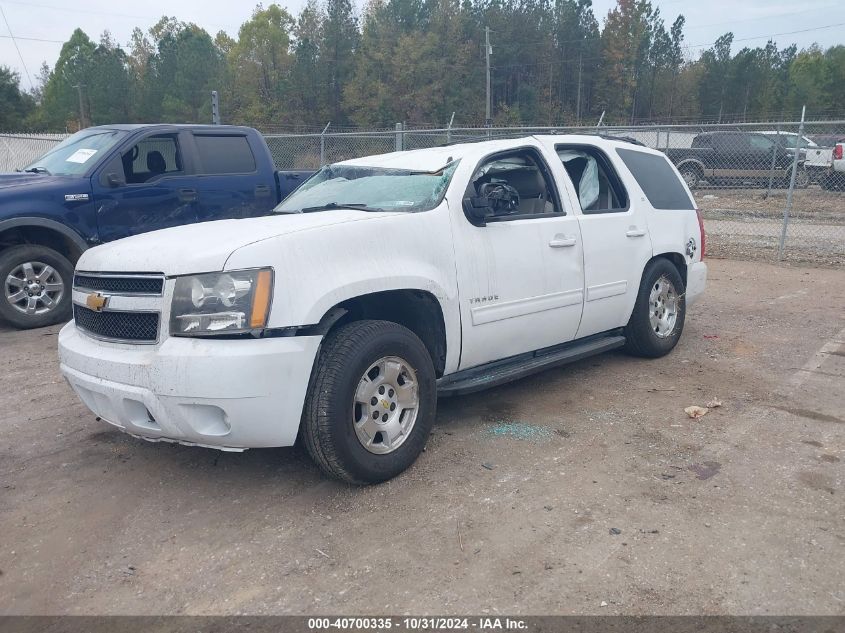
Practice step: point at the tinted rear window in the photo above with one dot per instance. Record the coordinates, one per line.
(658, 180)
(225, 154)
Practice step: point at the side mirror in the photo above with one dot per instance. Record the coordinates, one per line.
(478, 208)
(114, 180)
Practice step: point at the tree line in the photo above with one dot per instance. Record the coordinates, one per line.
(418, 61)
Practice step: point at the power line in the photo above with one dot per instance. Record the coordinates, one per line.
(15, 42)
(757, 19)
(75, 10)
(762, 37)
(104, 13)
(30, 39)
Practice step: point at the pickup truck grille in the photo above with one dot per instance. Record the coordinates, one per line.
(129, 285)
(131, 327)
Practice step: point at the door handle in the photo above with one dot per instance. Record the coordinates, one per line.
(188, 195)
(635, 232)
(262, 190)
(559, 241)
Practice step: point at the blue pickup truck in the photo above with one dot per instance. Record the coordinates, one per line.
(105, 183)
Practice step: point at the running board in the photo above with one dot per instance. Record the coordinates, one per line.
(502, 371)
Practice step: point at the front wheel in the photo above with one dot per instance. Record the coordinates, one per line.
(36, 283)
(371, 403)
(659, 311)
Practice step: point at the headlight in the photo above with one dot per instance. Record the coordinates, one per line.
(221, 303)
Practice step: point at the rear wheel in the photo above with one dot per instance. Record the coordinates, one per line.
(36, 283)
(691, 175)
(371, 403)
(657, 321)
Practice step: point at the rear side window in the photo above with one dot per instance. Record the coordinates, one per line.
(658, 180)
(599, 188)
(225, 154)
(702, 141)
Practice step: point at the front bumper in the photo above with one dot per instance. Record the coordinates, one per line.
(226, 394)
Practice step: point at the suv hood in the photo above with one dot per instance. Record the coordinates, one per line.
(205, 247)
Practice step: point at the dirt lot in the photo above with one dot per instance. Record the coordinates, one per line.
(511, 509)
(747, 224)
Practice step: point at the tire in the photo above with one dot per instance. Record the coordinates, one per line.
(833, 181)
(50, 301)
(345, 382)
(691, 175)
(802, 179)
(641, 336)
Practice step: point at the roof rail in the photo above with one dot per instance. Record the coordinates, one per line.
(624, 139)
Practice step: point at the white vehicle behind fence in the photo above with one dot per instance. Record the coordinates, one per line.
(817, 158)
(380, 284)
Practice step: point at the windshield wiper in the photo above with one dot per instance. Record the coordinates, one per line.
(358, 206)
(37, 170)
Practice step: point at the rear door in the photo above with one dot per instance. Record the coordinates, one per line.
(232, 179)
(146, 188)
(615, 232)
(762, 151)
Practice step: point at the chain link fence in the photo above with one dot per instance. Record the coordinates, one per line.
(741, 174)
(20, 149)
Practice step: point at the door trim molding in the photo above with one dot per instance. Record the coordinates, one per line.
(521, 307)
(603, 291)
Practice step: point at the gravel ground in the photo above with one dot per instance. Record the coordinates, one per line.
(583, 490)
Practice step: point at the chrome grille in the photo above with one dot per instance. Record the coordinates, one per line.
(132, 327)
(123, 285)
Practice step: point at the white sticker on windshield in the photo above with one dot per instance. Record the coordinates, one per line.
(80, 156)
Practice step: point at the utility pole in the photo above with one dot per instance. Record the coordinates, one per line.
(82, 123)
(487, 51)
(578, 105)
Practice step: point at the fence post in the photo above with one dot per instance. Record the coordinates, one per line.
(772, 169)
(790, 194)
(449, 129)
(399, 138)
(323, 144)
(215, 108)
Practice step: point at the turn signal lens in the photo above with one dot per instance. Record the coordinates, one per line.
(261, 299)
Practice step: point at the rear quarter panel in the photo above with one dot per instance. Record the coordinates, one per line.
(671, 229)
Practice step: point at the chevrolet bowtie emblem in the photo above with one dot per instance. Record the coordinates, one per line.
(96, 301)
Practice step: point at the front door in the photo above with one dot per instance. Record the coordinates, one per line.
(146, 188)
(520, 274)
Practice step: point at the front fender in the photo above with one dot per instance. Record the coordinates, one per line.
(317, 269)
(35, 221)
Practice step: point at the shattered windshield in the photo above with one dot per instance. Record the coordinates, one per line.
(76, 154)
(370, 189)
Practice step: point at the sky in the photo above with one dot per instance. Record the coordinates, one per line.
(49, 23)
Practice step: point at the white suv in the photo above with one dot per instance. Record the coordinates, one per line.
(380, 284)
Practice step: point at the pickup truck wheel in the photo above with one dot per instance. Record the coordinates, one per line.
(371, 403)
(802, 178)
(691, 175)
(36, 286)
(658, 317)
